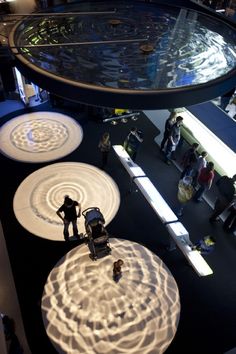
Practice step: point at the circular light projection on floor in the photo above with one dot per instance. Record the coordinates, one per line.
(139, 55)
(85, 311)
(40, 136)
(40, 195)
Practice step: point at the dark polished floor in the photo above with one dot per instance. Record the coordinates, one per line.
(208, 305)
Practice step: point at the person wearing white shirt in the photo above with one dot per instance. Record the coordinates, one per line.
(201, 163)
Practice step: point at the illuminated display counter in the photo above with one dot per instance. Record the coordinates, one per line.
(210, 127)
(176, 230)
(215, 132)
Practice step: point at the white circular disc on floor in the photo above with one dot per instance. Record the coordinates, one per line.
(40, 136)
(41, 194)
(85, 311)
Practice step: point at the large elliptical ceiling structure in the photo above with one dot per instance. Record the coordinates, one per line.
(127, 54)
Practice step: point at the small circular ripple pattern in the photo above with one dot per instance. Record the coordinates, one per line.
(41, 193)
(85, 311)
(40, 136)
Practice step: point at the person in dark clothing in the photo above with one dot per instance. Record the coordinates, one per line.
(173, 139)
(226, 190)
(230, 222)
(189, 159)
(104, 146)
(168, 125)
(132, 142)
(117, 272)
(70, 216)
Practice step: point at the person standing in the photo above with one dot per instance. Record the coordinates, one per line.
(200, 163)
(230, 222)
(189, 160)
(173, 139)
(133, 142)
(205, 179)
(69, 209)
(104, 146)
(226, 196)
(168, 125)
(185, 193)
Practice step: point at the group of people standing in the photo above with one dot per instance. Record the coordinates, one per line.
(131, 144)
(197, 167)
(201, 174)
(197, 176)
(193, 165)
(171, 136)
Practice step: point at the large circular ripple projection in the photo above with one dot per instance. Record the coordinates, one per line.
(40, 195)
(40, 136)
(85, 311)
